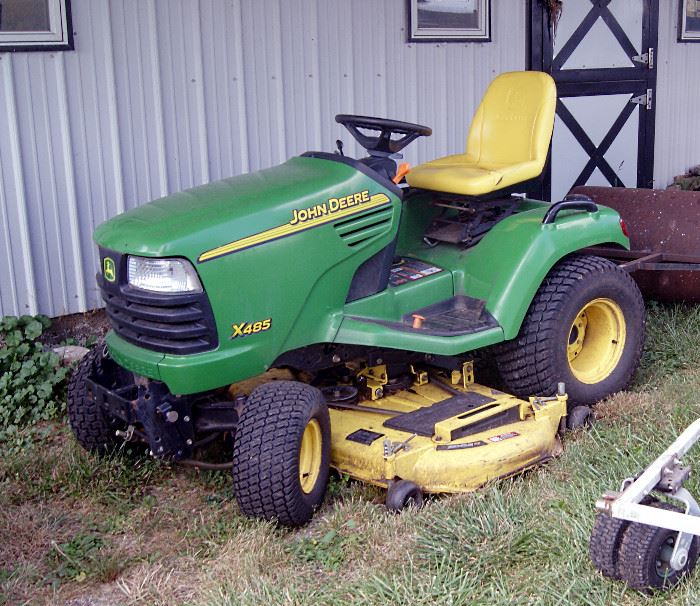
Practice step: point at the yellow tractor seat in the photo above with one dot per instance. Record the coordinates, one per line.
(507, 143)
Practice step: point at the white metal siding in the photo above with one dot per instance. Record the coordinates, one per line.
(677, 145)
(161, 95)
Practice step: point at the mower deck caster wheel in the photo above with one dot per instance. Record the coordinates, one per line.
(645, 556)
(403, 494)
(580, 416)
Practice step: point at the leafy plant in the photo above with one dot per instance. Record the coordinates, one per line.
(332, 549)
(77, 558)
(31, 380)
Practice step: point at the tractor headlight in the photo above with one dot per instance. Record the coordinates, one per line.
(162, 275)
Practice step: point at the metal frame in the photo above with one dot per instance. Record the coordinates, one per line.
(644, 260)
(447, 35)
(665, 474)
(636, 81)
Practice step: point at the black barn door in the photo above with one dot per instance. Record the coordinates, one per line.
(602, 57)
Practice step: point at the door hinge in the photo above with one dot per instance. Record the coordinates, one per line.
(647, 99)
(645, 58)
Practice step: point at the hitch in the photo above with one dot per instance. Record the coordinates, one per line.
(166, 421)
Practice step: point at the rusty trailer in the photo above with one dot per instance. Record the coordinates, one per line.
(664, 227)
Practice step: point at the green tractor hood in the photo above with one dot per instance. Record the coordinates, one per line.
(192, 221)
(276, 252)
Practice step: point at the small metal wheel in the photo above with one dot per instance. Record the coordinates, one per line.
(645, 556)
(579, 416)
(402, 495)
(604, 546)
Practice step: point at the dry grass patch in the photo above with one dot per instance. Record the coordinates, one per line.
(624, 405)
(145, 533)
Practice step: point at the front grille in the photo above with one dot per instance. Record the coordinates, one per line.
(175, 324)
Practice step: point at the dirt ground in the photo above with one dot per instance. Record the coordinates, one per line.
(77, 329)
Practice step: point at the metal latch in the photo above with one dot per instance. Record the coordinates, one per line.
(646, 99)
(645, 58)
(391, 448)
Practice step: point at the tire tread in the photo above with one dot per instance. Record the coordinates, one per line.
(265, 453)
(524, 363)
(91, 427)
(604, 545)
(637, 543)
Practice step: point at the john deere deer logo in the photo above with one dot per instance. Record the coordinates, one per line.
(109, 271)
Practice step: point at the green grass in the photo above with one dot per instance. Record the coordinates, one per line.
(126, 530)
(672, 344)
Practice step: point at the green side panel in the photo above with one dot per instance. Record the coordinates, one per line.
(508, 265)
(394, 302)
(513, 259)
(299, 282)
(376, 335)
(363, 321)
(505, 269)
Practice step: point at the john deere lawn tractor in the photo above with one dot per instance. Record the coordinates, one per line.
(359, 299)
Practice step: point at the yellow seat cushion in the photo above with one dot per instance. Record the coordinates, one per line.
(507, 143)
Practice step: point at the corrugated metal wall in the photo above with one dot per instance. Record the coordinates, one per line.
(161, 95)
(677, 145)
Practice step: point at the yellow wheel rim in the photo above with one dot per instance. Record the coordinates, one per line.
(596, 340)
(310, 455)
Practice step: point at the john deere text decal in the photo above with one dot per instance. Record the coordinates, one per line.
(302, 219)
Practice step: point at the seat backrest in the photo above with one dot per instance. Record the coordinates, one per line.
(514, 121)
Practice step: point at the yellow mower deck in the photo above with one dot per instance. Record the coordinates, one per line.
(444, 439)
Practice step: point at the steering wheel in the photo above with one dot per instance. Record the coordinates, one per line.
(382, 143)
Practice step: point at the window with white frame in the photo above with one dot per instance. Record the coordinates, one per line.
(35, 25)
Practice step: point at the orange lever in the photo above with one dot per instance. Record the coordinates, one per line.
(404, 169)
(418, 320)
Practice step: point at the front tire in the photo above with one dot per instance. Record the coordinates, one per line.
(93, 428)
(281, 453)
(585, 326)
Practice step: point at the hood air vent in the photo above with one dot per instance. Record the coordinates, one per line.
(361, 228)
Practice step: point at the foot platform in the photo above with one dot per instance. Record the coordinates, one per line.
(459, 315)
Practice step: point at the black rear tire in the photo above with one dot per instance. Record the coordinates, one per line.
(645, 553)
(94, 429)
(544, 352)
(269, 456)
